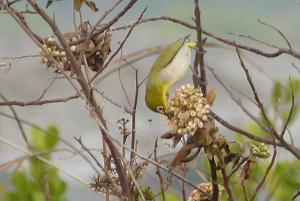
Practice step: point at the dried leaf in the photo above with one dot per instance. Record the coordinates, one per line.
(68, 36)
(91, 5)
(167, 135)
(235, 157)
(103, 43)
(211, 96)
(235, 162)
(181, 154)
(246, 171)
(176, 140)
(49, 2)
(77, 4)
(201, 136)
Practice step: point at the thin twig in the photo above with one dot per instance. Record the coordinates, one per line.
(277, 53)
(290, 112)
(133, 118)
(278, 31)
(160, 166)
(17, 120)
(15, 146)
(236, 100)
(47, 189)
(38, 102)
(241, 131)
(123, 88)
(112, 182)
(160, 177)
(131, 58)
(267, 172)
(119, 48)
(90, 34)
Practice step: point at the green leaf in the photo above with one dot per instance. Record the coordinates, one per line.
(38, 139)
(293, 84)
(276, 93)
(45, 141)
(38, 196)
(254, 128)
(52, 137)
(170, 196)
(20, 182)
(11, 196)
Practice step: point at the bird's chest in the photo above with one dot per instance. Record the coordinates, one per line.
(176, 69)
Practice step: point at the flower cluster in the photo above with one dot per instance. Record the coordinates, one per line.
(261, 150)
(187, 110)
(203, 195)
(58, 54)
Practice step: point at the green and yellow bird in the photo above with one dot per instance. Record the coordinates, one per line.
(169, 67)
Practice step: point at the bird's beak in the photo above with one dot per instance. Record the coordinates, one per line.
(191, 44)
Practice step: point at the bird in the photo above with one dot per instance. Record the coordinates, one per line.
(171, 65)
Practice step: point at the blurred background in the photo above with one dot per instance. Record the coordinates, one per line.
(27, 78)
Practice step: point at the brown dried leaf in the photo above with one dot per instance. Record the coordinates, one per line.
(246, 171)
(167, 135)
(176, 140)
(68, 36)
(235, 157)
(201, 136)
(181, 154)
(235, 163)
(102, 43)
(91, 5)
(211, 96)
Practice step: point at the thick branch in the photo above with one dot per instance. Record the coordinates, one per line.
(200, 49)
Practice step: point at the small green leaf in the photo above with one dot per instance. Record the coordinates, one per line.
(170, 196)
(38, 139)
(254, 128)
(276, 93)
(38, 196)
(11, 196)
(293, 84)
(45, 141)
(52, 137)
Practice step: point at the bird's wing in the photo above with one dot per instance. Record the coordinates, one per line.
(168, 54)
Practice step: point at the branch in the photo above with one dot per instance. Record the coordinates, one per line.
(214, 178)
(38, 101)
(160, 177)
(18, 122)
(232, 43)
(119, 48)
(50, 163)
(109, 24)
(91, 105)
(200, 49)
(241, 131)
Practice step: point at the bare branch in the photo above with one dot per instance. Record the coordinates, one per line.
(18, 121)
(38, 101)
(119, 48)
(200, 49)
(277, 53)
